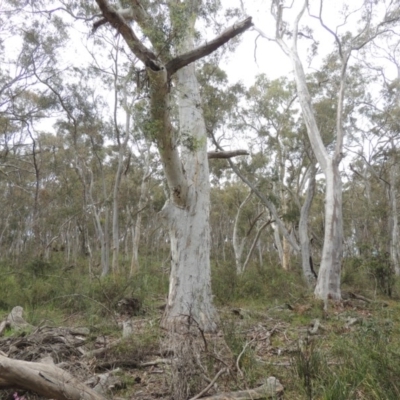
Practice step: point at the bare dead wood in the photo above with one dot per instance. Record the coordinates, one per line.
(314, 328)
(350, 321)
(155, 362)
(227, 154)
(3, 326)
(209, 47)
(102, 350)
(42, 378)
(271, 389)
(359, 297)
(210, 385)
(117, 20)
(16, 320)
(119, 23)
(107, 365)
(240, 355)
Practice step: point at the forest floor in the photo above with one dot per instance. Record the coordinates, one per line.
(349, 351)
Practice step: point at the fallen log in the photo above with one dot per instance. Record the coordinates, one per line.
(44, 379)
(271, 389)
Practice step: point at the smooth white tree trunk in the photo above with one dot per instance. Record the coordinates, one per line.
(186, 172)
(328, 284)
(190, 298)
(239, 243)
(278, 242)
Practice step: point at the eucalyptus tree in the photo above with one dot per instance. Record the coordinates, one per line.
(120, 77)
(170, 31)
(346, 43)
(380, 159)
(271, 114)
(281, 163)
(26, 53)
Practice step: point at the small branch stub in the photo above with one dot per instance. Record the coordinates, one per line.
(227, 154)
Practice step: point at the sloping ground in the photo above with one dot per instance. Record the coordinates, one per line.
(350, 351)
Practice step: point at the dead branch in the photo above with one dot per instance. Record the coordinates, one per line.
(359, 297)
(240, 355)
(102, 350)
(119, 23)
(227, 154)
(271, 389)
(117, 20)
(42, 378)
(185, 59)
(205, 390)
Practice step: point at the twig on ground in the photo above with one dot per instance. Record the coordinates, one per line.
(240, 355)
(206, 389)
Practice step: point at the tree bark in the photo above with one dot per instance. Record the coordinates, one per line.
(328, 284)
(303, 229)
(237, 243)
(189, 295)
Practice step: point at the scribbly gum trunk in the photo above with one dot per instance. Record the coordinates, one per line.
(190, 299)
(328, 284)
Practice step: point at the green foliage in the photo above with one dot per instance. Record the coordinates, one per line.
(256, 285)
(241, 350)
(367, 365)
(47, 290)
(371, 272)
(307, 363)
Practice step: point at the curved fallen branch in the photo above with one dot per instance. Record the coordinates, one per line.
(45, 379)
(271, 389)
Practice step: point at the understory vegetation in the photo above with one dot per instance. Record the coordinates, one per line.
(171, 231)
(268, 317)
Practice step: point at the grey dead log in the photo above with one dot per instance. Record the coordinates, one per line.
(16, 320)
(44, 379)
(271, 389)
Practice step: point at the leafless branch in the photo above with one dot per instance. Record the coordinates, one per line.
(209, 47)
(227, 154)
(209, 386)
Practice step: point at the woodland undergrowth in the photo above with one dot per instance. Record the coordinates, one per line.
(270, 321)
